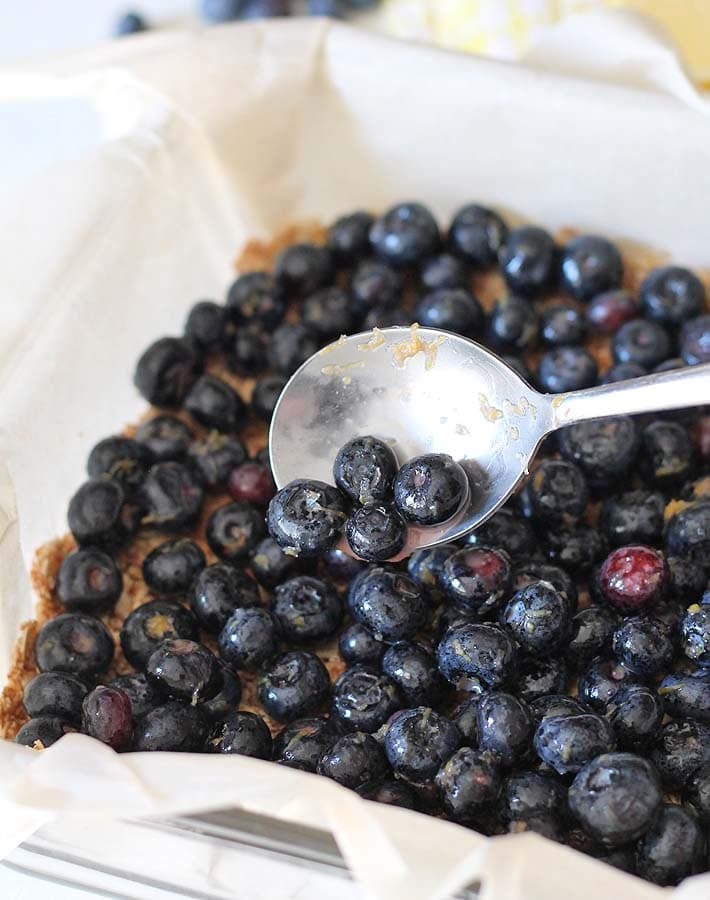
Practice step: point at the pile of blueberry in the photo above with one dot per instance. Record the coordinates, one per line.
(550, 672)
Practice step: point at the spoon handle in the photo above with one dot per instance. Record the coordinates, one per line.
(675, 389)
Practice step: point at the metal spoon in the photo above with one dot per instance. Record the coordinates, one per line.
(428, 391)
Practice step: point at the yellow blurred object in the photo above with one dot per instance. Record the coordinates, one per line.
(506, 28)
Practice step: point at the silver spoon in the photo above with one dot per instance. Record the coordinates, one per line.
(427, 391)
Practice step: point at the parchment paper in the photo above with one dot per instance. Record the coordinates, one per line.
(201, 139)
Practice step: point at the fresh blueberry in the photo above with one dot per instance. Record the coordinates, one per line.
(142, 694)
(477, 234)
(590, 635)
(76, 644)
(666, 456)
(354, 760)
(301, 269)
(390, 791)
(215, 457)
(567, 743)
(165, 372)
(129, 23)
(357, 645)
(150, 624)
(450, 309)
(430, 488)
(219, 11)
(328, 312)
(376, 531)
(244, 733)
(668, 612)
(641, 341)
(269, 564)
(538, 618)
(671, 295)
(608, 311)
(528, 260)
(249, 638)
(687, 696)
(616, 798)
(695, 340)
(121, 459)
(227, 699)
(100, 514)
(294, 685)
(673, 848)
(308, 610)
(634, 517)
(539, 678)
(55, 695)
(205, 325)
(364, 700)
(631, 578)
(166, 437)
(505, 531)
(602, 681)
(695, 634)
(681, 748)
(349, 237)
(468, 653)
(267, 391)
(184, 669)
(389, 604)
(375, 285)
(365, 469)
(557, 492)
(89, 581)
(476, 579)
(567, 369)
(234, 530)
(302, 743)
(171, 567)
(513, 324)
(405, 235)
(604, 449)
(424, 566)
(635, 713)
(419, 741)
(444, 271)
(306, 517)
(290, 346)
(217, 591)
(173, 497)
(589, 266)
(246, 351)
(530, 570)
(108, 716)
(554, 705)
(562, 326)
(215, 404)
(469, 783)
(575, 547)
(527, 795)
(505, 726)
(622, 372)
(697, 793)
(413, 669)
(642, 646)
(41, 732)
(688, 533)
(254, 299)
(174, 726)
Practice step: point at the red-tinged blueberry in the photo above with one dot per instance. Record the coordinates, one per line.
(218, 591)
(450, 309)
(568, 743)
(349, 237)
(55, 695)
(234, 530)
(175, 726)
(357, 645)
(682, 747)
(413, 669)
(589, 266)
(142, 694)
(528, 260)
(365, 469)
(602, 681)
(375, 285)
(695, 340)
(470, 653)
(166, 371)
(249, 639)
(244, 733)
(443, 271)
(604, 449)
(301, 744)
(353, 760)
(226, 700)
(294, 685)
(608, 311)
(329, 313)
(120, 458)
(695, 634)
(562, 326)
(376, 532)
(419, 741)
(671, 295)
(147, 626)
(108, 716)
(173, 497)
(477, 234)
(476, 579)
(215, 404)
(631, 578)
(41, 732)
(389, 604)
(673, 848)
(89, 581)
(635, 713)
(634, 517)
(306, 517)
(100, 514)
(184, 669)
(301, 269)
(541, 678)
(697, 794)
(364, 700)
(307, 609)
(513, 324)
(76, 644)
(393, 792)
(469, 783)
(505, 726)
(567, 369)
(166, 437)
(254, 299)
(429, 489)
(590, 635)
(251, 482)
(290, 346)
(688, 533)
(642, 341)
(204, 326)
(687, 696)
(405, 235)
(171, 567)
(666, 458)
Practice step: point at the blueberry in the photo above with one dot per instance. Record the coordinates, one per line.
(424, 566)
(429, 489)
(246, 351)
(681, 748)
(349, 237)
(226, 700)
(642, 646)
(530, 570)
(528, 260)
(302, 743)
(557, 492)
(244, 733)
(562, 326)
(567, 369)
(308, 610)
(671, 295)
(539, 678)
(173, 497)
(100, 513)
(673, 848)
(419, 741)
(234, 530)
(622, 372)
(254, 299)
(129, 23)
(108, 716)
(357, 645)
(74, 643)
(695, 340)
(635, 713)
(171, 567)
(444, 271)
(616, 798)
(470, 652)
(554, 705)
(41, 732)
(450, 309)
(465, 716)
(184, 669)
(376, 532)
(538, 618)
(643, 342)
(527, 795)
(390, 605)
(687, 696)
(205, 325)
(568, 743)
(165, 372)
(217, 592)
(267, 391)
(174, 726)
(121, 459)
(589, 266)
(55, 695)
(695, 634)
(575, 547)
(413, 669)
(364, 700)
(269, 564)
(602, 681)
(142, 694)
(89, 581)
(476, 579)
(249, 638)
(608, 311)
(668, 613)
(477, 234)
(666, 456)
(290, 346)
(148, 625)
(634, 517)
(405, 235)
(590, 635)
(294, 685)
(505, 726)
(306, 517)
(354, 760)
(390, 791)
(166, 437)
(375, 285)
(303, 268)
(328, 312)
(697, 793)
(688, 533)
(513, 324)
(469, 783)
(365, 469)
(604, 449)
(219, 11)
(631, 578)
(505, 531)
(213, 458)
(215, 404)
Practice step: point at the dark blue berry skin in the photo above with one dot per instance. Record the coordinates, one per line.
(390, 605)
(217, 592)
(122, 459)
(390, 791)
(557, 492)
(682, 747)
(430, 488)
(308, 610)
(166, 371)
(419, 741)
(642, 646)
(513, 324)
(641, 341)
(405, 235)
(302, 743)
(413, 669)
(567, 369)
(375, 285)
(269, 564)
(227, 699)
(539, 678)
(101, 514)
(601, 682)
(148, 625)
(108, 716)
(616, 798)
(590, 636)
(290, 346)
(450, 309)
(589, 266)
(635, 714)
(174, 726)
(376, 532)
(695, 634)
(89, 581)
(249, 639)
(205, 325)
(562, 326)
(234, 530)
(306, 517)
(142, 694)
(671, 295)
(673, 849)
(246, 351)
(129, 23)
(688, 533)
(353, 760)
(575, 547)
(244, 733)
(695, 340)
(424, 566)
(365, 469)
(505, 531)
(55, 695)
(184, 669)
(267, 391)
(554, 705)
(697, 794)
(76, 644)
(166, 437)
(527, 795)
(505, 726)
(173, 497)
(666, 458)
(215, 404)
(530, 570)
(301, 269)
(364, 700)
(357, 645)
(465, 717)
(622, 372)
(294, 685)
(604, 449)
(477, 580)
(444, 271)
(41, 732)
(538, 618)
(687, 696)
(349, 238)
(213, 459)
(469, 783)
(484, 652)
(255, 299)
(567, 743)
(477, 234)
(635, 517)
(171, 567)
(528, 260)
(329, 313)
(219, 11)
